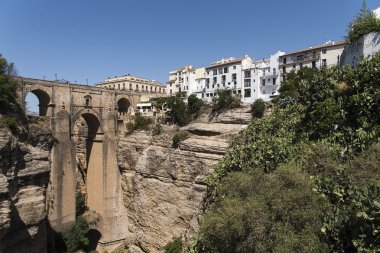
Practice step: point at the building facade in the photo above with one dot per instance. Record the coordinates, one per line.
(325, 55)
(133, 83)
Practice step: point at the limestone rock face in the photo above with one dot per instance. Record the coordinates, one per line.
(235, 116)
(163, 186)
(24, 175)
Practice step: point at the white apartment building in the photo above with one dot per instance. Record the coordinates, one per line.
(325, 55)
(224, 74)
(247, 78)
(261, 79)
(133, 83)
(187, 79)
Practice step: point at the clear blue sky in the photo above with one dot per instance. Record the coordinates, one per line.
(95, 39)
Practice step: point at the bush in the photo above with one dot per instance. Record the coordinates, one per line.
(224, 99)
(75, 236)
(258, 108)
(259, 212)
(178, 113)
(194, 104)
(10, 122)
(157, 130)
(174, 246)
(80, 202)
(178, 137)
(365, 22)
(140, 123)
(7, 87)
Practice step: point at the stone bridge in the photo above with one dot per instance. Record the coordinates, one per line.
(103, 110)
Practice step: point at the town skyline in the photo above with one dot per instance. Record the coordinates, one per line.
(87, 43)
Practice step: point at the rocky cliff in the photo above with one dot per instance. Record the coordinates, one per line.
(164, 186)
(24, 176)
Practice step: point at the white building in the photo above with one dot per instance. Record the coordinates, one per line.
(247, 78)
(224, 74)
(133, 83)
(325, 55)
(187, 79)
(261, 79)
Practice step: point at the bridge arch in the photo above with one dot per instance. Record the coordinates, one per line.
(44, 100)
(92, 118)
(123, 106)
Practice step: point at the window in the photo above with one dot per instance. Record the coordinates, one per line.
(263, 82)
(234, 77)
(234, 67)
(284, 60)
(214, 72)
(274, 71)
(220, 70)
(274, 81)
(247, 83)
(247, 93)
(284, 70)
(223, 79)
(313, 64)
(247, 74)
(324, 51)
(294, 66)
(137, 87)
(301, 65)
(324, 62)
(300, 57)
(225, 70)
(207, 81)
(130, 86)
(214, 80)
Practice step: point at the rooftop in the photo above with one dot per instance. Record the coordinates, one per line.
(325, 45)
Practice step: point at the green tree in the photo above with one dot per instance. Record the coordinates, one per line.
(178, 111)
(365, 22)
(260, 212)
(224, 99)
(258, 108)
(174, 246)
(7, 86)
(194, 104)
(75, 236)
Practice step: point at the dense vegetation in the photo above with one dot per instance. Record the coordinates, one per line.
(225, 99)
(258, 108)
(7, 87)
(307, 177)
(180, 112)
(365, 22)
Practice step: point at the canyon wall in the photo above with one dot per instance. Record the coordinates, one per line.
(164, 186)
(24, 177)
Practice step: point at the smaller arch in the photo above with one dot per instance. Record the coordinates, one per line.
(123, 106)
(92, 119)
(43, 100)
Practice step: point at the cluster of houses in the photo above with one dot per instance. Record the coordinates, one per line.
(246, 77)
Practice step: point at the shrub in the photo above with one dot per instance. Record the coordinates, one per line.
(365, 22)
(178, 137)
(174, 246)
(7, 87)
(80, 202)
(10, 122)
(194, 104)
(178, 113)
(75, 236)
(140, 123)
(259, 212)
(157, 130)
(258, 108)
(224, 99)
